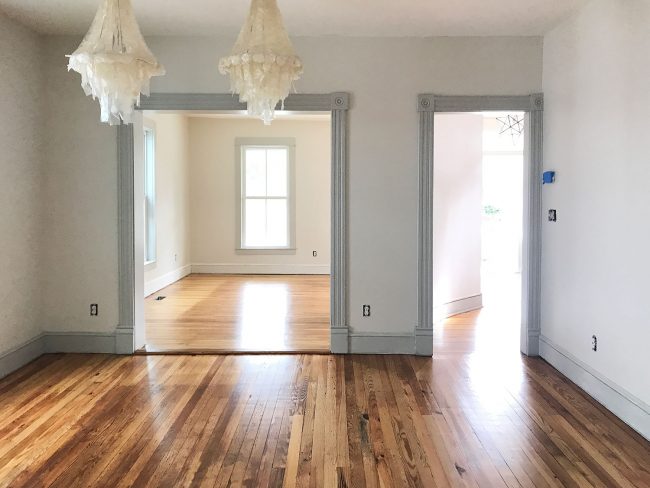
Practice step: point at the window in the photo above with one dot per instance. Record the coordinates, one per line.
(149, 195)
(266, 199)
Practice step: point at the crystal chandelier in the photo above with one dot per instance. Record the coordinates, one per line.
(262, 65)
(114, 61)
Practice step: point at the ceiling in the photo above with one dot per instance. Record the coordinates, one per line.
(390, 18)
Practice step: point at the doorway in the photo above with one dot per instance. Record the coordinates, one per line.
(236, 232)
(477, 229)
(532, 106)
(131, 330)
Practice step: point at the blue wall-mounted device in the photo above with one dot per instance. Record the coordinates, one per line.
(548, 177)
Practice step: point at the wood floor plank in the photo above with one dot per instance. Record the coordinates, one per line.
(463, 418)
(240, 313)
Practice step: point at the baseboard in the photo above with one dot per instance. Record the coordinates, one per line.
(462, 305)
(21, 355)
(369, 343)
(282, 269)
(80, 342)
(157, 284)
(631, 410)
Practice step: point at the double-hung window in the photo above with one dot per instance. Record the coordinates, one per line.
(149, 195)
(266, 193)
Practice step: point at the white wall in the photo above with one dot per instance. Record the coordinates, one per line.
(21, 199)
(214, 195)
(172, 156)
(457, 211)
(595, 258)
(384, 77)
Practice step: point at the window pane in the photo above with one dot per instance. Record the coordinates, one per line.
(149, 196)
(255, 172)
(255, 223)
(276, 172)
(276, 223)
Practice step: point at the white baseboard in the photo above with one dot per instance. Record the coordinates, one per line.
(462, 305)
(21, 355)
(167, 279)
(631, 410)
(369, 343)
(245, 268)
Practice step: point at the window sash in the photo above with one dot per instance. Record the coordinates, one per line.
(244, 197)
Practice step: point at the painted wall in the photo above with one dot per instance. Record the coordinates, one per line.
(596, 266)
(384, 77)
(80, 197)
(21, 85)
(214, 195)
(172, 156)
(457, 210)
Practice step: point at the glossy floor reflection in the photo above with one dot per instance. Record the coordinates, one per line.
(240, 313)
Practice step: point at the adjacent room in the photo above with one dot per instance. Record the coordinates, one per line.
(478, 229)
(237, 232)
(301, 243)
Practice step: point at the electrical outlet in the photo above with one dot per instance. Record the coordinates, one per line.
(594, 343)
(315, 253)
(366, 310)
(552, 215)
(94, 310)
(175, 257)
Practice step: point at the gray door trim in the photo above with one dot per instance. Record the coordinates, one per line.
(533, 105)
(337, 103)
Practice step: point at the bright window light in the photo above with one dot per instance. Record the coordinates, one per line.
(265, 194)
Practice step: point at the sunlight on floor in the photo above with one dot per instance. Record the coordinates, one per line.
(264, 308)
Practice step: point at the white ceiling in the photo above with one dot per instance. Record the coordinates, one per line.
(419, 18)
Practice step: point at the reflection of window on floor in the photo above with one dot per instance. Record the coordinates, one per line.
(266, 200)
(149, 195)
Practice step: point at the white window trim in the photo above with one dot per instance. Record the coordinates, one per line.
(150, 126)
(265, 142)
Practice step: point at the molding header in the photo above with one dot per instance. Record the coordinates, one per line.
(442, 103)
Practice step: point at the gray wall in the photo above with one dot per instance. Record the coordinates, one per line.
(384, 77)
(21, 199)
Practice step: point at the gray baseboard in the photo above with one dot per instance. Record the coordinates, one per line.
(80, 342)
(631, 410)
(369, 343)
(19, 356)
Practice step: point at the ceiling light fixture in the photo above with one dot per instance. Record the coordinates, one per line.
(263, 64)
(114, 61)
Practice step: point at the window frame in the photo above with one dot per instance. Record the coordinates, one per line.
(149, 178)
(241, 144)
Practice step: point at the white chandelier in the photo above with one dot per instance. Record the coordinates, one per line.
(114, 61)
(263, 64)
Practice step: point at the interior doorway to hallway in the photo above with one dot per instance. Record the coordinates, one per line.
(478, 227)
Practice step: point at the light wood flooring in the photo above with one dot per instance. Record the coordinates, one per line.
(240, 313)
(468, 417)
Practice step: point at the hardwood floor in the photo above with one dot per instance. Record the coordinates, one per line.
(240, 313)
(467, 417)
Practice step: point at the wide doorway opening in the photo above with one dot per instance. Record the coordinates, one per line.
(237, 231)
(478, 232)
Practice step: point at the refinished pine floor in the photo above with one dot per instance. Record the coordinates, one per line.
(468, 417)
(240, 313)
